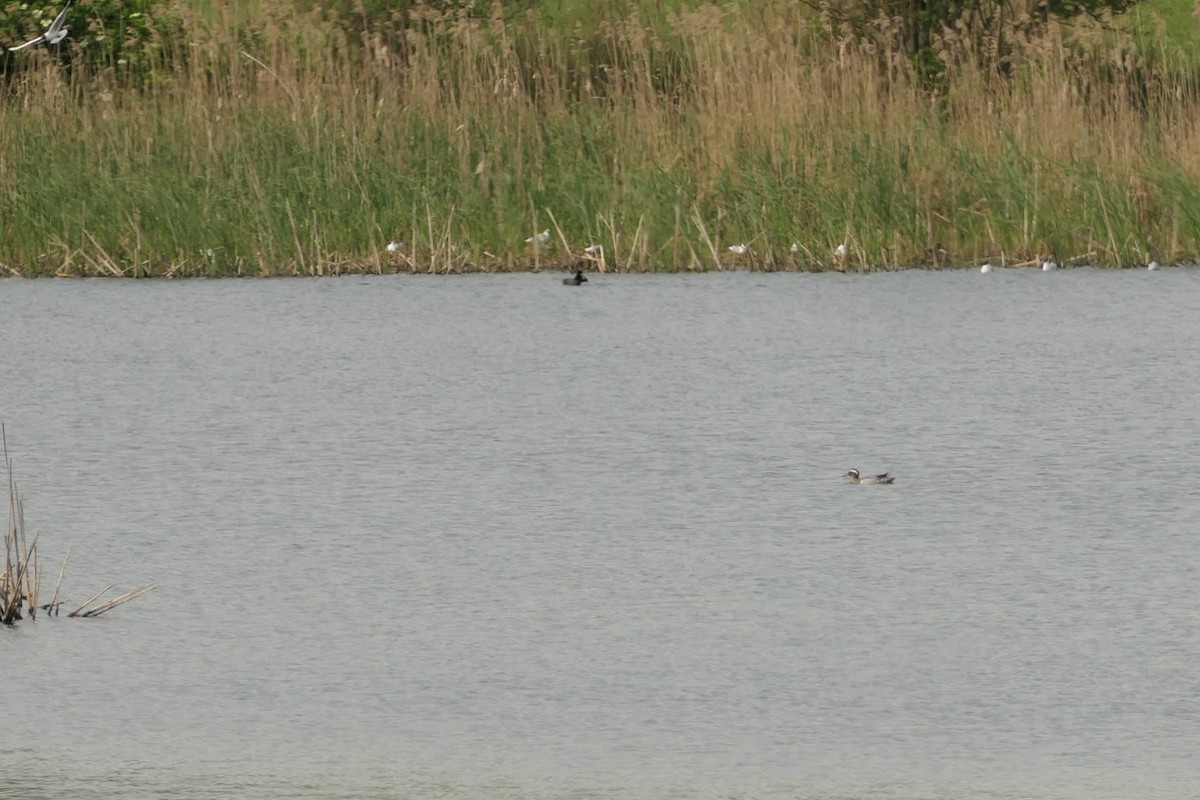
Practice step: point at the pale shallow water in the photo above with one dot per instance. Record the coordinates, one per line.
(494, 537)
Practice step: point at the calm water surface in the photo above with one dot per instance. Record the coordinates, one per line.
(493, 537)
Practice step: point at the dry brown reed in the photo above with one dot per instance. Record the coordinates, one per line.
(21, 578)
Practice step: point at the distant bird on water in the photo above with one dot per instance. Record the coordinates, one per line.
(578, 280)
(881, 478)
(1049, 266)
(985, 269)
(53, 35)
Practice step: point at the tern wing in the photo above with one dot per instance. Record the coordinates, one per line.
(59, 20)
(30, 43)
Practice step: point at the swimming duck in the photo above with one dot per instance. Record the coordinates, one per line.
(578, 280)
(881, 478)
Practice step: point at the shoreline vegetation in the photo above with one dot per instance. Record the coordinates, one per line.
(259, 140)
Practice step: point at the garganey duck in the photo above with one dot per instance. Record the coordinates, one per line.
(882, 478)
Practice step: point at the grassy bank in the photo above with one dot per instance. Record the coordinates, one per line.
(284, 144)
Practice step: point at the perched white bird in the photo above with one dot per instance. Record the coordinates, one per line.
(1049, 266)
(53, 35)
(795, 248)
(594, 249)
(840, 252)
(541, 238)
(395, 247)
(1153, 265)
(985, 269)
(739, 249)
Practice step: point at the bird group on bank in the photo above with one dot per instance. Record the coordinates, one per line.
(840, 255)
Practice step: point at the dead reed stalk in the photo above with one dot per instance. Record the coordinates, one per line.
(21, 577)
(116, 601)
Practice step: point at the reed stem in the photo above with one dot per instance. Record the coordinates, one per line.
(52, 608)
(116, 601)
(85, 603)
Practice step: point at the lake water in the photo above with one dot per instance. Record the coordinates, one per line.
(492, 537)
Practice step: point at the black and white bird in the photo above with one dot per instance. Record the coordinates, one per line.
(881, 478)
(53, 35)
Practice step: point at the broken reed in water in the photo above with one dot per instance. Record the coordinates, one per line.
(21, 578)
(284, 146)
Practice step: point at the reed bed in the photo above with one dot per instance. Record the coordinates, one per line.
(21, 577)
(289, 144)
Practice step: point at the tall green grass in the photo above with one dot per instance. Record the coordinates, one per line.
(293, 144)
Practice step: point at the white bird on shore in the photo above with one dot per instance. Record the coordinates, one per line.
(739, 249)
(986, 268)
(540, 238)
(1153, 265)
(1049, 266)
(840, 252)
(395, 247)
(53, 35)
(594, 249)
(795, 248)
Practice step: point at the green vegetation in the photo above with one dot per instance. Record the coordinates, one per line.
(1170, 22)
(260, 141)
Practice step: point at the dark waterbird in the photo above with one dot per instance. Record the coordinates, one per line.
(578, 280)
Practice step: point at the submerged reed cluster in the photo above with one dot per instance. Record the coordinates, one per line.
(280, 143)
(21, 577)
